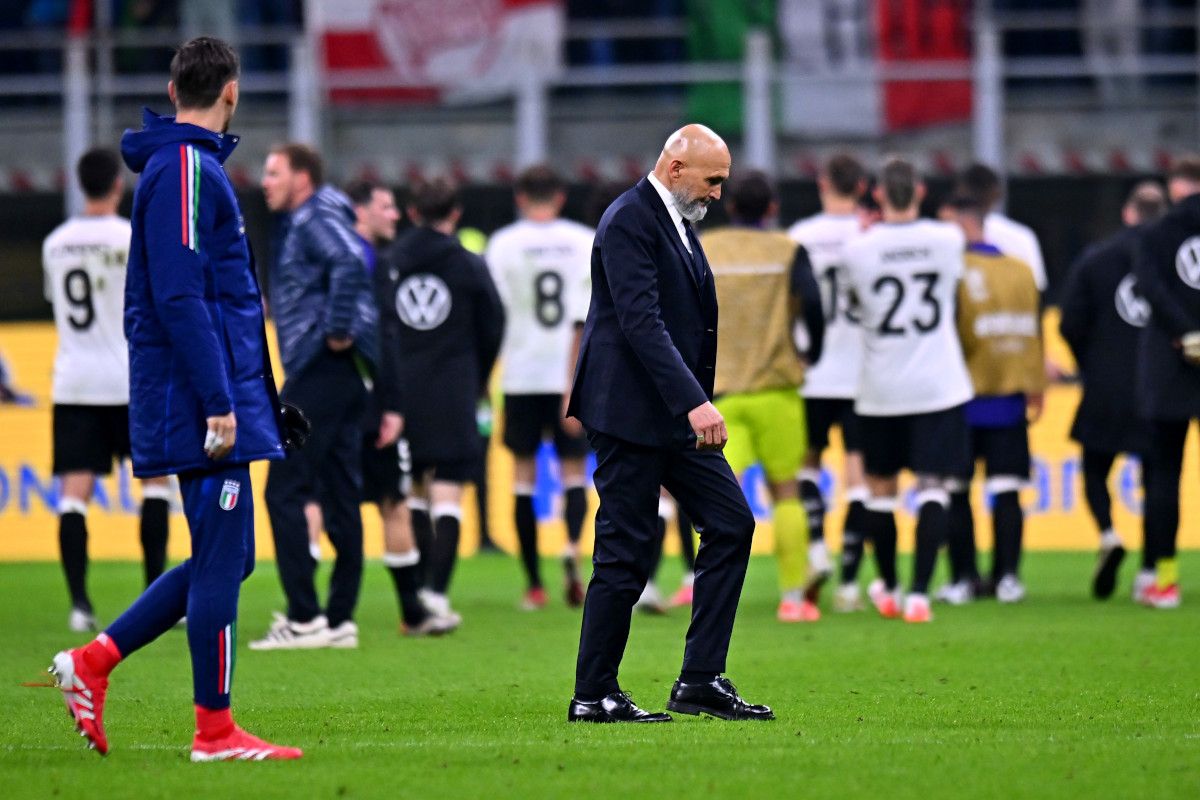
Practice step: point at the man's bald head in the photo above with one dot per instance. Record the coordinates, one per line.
(693, 164)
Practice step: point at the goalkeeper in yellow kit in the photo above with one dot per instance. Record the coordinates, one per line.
(765, 287)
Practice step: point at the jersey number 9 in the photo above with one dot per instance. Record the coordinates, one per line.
(77, 287)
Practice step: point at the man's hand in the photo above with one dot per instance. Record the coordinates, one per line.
(1189, 343)
(1035, 404)
(221, 436)
(709, 426)
(338, 343)
(390, 428)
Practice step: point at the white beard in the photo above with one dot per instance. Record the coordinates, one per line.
(691, 210)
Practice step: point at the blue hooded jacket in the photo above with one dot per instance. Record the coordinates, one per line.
(321, 287)
(193, 311)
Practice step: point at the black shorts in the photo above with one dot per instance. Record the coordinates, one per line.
(530, 418)
(451, 471)
(823, 413)
(1004, 451)
(934, 443)
(88, 438)
(387, 471)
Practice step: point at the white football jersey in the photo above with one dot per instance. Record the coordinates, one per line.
(543, 273)
(84, 262)
(1019, 241)
(824, 236)
(906, 279)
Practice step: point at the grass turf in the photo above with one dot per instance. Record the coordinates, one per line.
(1058, 697)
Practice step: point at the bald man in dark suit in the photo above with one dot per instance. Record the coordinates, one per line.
(643, 390)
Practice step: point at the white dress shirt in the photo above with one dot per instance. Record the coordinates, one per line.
(676, 217)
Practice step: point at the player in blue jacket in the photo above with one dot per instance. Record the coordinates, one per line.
(202, 398)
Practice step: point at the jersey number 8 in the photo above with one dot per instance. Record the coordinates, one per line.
(548, 287)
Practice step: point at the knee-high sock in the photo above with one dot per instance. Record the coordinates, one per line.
(154, 529)
(931, 533)
(1008, 522)
(422, 526)
(853, 535)
(660, 536)
(575, 500)
(791, 544)
(72, 547)
(687, 540)
(1147, 474)
(1096, 466)
(880, 525)
(527, 535)
(446, 527)
(961, 538)
(814, 504)
(404, 569)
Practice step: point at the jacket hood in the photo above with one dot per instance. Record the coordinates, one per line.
(1189, 208)
(158, 131)
(423, 244)
(329, 200)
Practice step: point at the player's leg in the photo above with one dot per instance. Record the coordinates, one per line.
(687, 552)
(1096, 466)
(315, 521)
(960, 544)
(776, 425)
(445, 503)
(1162, 509)
(422, 525)
(1006, 452)
(854, 530)
(572, 458)
(885, 452)
(1145, 577)
(77, 490)
(523, 436)
(650, 600)
(939, 448)
(80, 452)
(155, 526)
(220, 509)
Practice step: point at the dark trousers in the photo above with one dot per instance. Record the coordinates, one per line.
(1161, 472)
(331, 394)
(627, 479)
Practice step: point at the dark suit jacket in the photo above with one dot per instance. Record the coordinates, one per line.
(649, 345)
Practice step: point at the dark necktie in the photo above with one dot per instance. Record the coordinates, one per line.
(695, 245)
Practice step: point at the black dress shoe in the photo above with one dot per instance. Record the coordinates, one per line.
(717, 698)
(616, 707)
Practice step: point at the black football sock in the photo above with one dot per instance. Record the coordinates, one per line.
(881, 530)
(405, 571)
(1008, 520)
(931, 533)
(1096, 466)
(687, 539)
(445, 551)
(656, 549)
(422, 527)
(156, 513)
(575, 500)
(961, 539)
(72, 546)
(527, 536)
(853, 540)
(814, 506)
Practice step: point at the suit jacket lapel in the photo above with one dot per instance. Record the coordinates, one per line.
(668, 226)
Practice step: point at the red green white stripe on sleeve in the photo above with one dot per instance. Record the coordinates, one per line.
(189, 178)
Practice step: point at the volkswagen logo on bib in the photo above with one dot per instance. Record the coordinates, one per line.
(1187, 262)
(423, 302)
(1132, 307)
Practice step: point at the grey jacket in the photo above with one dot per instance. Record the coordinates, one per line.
(322, 288)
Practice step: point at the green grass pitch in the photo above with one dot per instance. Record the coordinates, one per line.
(1059, 697)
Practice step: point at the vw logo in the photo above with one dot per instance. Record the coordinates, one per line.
(1187, 262)
(423, 302)
(1132, 307)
